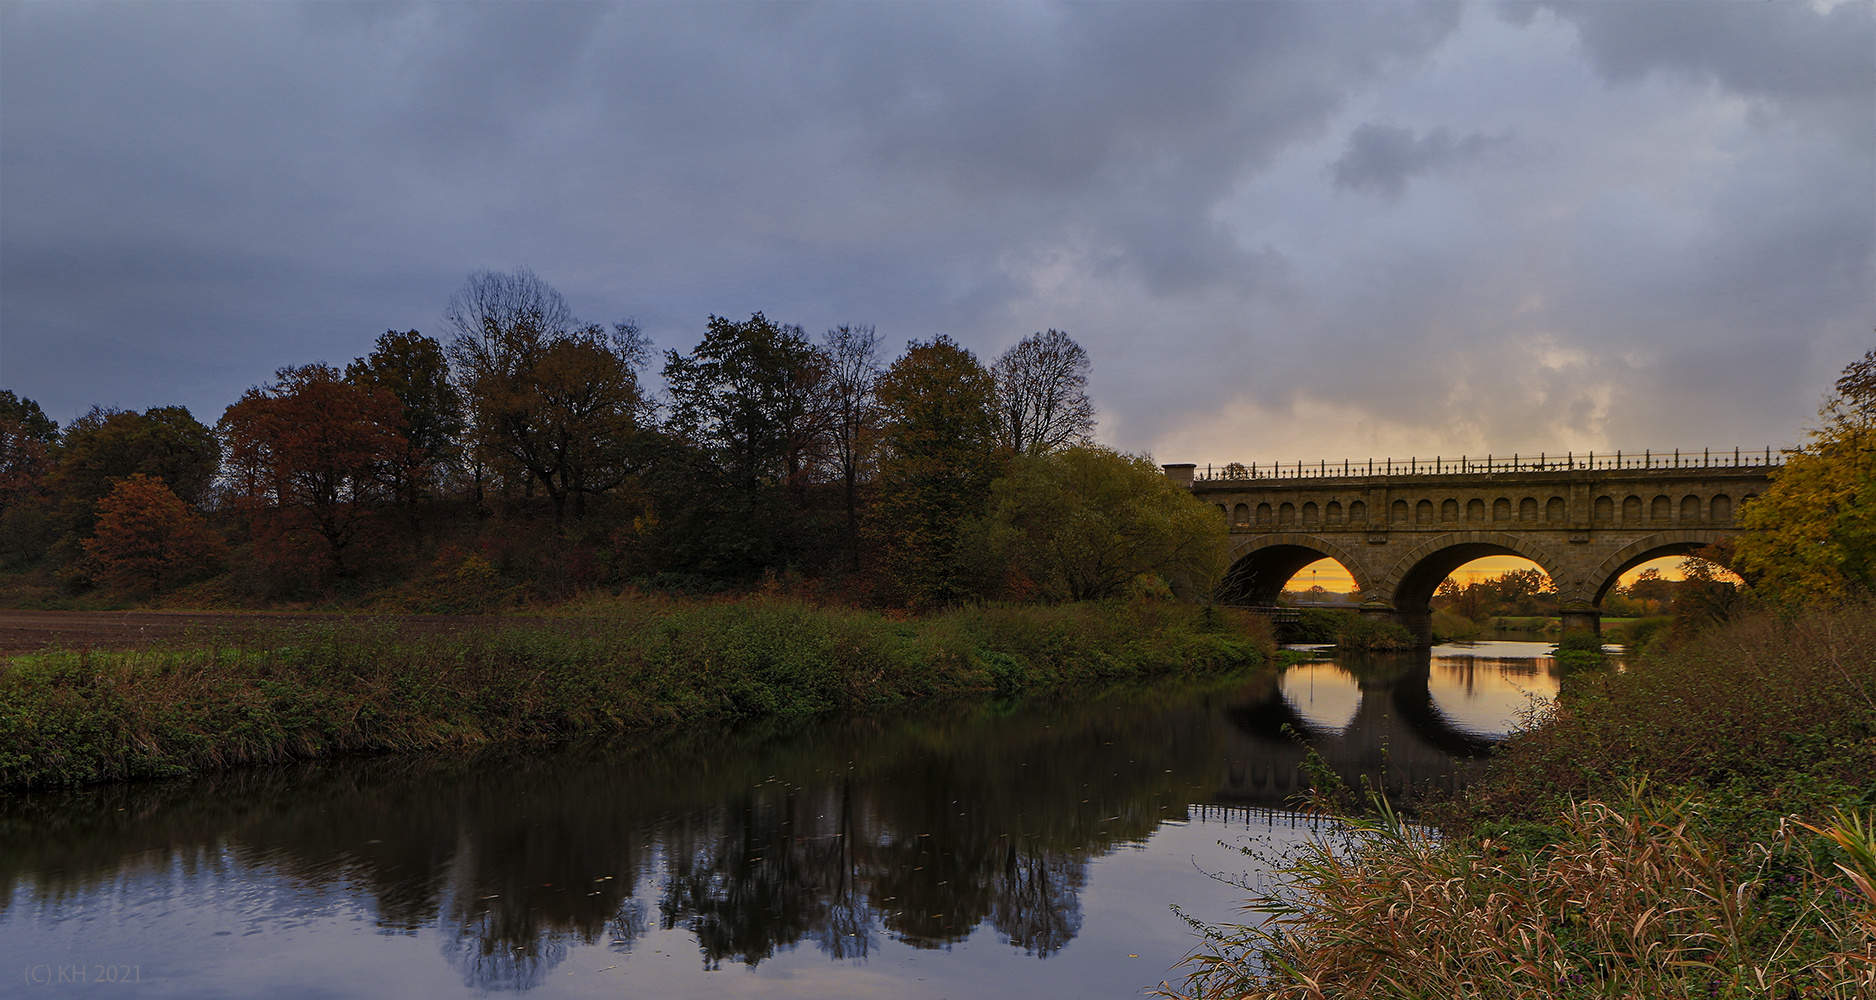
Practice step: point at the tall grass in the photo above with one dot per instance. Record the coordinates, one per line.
(74, 717)
(1630, 902)
(1695, 826)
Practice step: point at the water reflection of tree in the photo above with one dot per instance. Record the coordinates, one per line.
(1038, 899)
(925, 829)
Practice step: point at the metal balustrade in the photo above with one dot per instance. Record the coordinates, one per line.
(1469, 465)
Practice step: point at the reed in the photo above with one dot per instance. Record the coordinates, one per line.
(1632, 901)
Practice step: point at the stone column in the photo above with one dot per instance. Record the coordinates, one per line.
(1580, 616)
(1180, 473)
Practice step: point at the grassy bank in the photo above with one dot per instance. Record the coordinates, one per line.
(75, 717)
(1697, 826)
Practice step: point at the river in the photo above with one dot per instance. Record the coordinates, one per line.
(1009, 850)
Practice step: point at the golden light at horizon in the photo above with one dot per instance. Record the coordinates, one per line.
(1330, 576)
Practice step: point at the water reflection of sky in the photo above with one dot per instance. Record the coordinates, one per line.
(1323, 693)
(1482, 688)
(1482, 685)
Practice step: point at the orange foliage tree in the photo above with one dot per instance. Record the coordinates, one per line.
(311, 453)
(147, 537)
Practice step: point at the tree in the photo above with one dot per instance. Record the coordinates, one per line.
(853, 372)
(32, 420)
(27, 437)
(165, 442)
(104, 446)
(1042, 399)
(751, 432)
(147, 537)
(412, 367)
(940, 455)
(1812, 534)
(308, 453)
(751, 393)
(1087, 523)
(558, 401)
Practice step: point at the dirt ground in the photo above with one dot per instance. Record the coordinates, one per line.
(31, 631)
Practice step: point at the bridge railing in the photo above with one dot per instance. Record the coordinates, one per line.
(1438, 465)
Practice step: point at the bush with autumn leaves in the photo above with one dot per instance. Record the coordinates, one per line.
(146, 538)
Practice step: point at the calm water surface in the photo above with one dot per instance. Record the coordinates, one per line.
(992, 851)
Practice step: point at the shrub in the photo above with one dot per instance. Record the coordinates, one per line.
(1449, 627)
(1373, 634)
(1317, 625)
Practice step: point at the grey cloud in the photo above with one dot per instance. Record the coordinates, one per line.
(1381, 159)
(1811, 60)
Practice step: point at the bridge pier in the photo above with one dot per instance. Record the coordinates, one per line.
(1580, 616)
(1420, 622)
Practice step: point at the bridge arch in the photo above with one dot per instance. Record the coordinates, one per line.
(1662, 543)
(1410, 583)
(1262, 564)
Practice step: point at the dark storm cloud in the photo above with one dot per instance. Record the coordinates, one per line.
(1382, 158)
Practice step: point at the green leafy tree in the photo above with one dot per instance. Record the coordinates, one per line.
(1812, 534)
(939, 432)
(751, 394)
(32, 420)
(148, 538)
(751, 430)
(1087, 523)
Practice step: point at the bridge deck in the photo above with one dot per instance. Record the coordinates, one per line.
(1472, 465)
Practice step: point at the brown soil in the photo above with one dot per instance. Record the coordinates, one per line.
(31, 631)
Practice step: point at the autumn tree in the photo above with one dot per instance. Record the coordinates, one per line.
(1087, 523)
(1812, 534)
(940, 454)
(147, 538)
(27, 438)
(412, 367)
(104, 446)
(1041, 394)
(308, 452)
(554, 399)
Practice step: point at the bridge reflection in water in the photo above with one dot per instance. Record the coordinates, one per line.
(862, 839)
(1407, 724)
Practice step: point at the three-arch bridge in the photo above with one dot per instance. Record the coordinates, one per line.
(1401, 528)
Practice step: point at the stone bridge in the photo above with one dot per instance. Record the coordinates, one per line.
(1401, 528)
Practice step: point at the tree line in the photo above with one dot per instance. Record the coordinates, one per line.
(523, 452)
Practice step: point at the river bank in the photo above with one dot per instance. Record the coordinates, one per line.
(1696, 825)
(211, 699)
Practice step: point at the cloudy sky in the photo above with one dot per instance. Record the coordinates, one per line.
(1282, 230)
